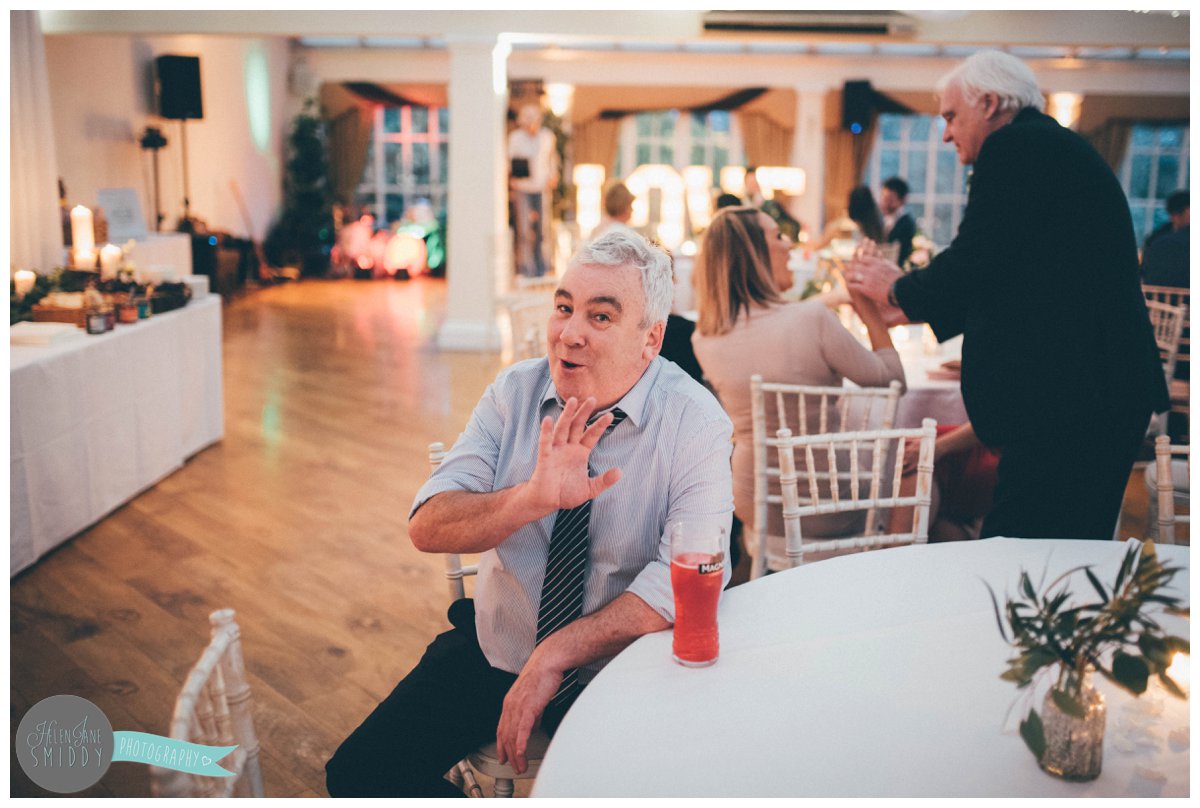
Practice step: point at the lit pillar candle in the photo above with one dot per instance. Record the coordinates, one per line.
(24, 279)
(83, 237)
(110, 261)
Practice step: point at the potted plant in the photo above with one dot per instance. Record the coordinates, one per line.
(1115, 636)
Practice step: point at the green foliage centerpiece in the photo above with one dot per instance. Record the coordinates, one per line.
(1116, 636)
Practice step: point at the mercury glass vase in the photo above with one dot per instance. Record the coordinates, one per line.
(1074, 746)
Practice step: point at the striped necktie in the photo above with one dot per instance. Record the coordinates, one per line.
(566, 565)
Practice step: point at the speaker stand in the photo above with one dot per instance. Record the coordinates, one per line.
(186, 223)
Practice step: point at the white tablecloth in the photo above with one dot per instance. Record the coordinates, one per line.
(97, 420)
(870, 675)
(937, 398)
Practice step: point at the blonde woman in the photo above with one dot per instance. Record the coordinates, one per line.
(745, 327)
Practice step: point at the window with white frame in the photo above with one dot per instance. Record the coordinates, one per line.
(679, 138)
(407, 161)
(910, 147)
(1155, 165)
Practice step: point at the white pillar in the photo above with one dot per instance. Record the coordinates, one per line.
(808, 152)
(477, 238)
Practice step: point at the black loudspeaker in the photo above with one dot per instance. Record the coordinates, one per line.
(177, 82)
(857, 101)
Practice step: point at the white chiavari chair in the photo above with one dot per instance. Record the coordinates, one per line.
(804, 409)
(867, 490)
(213, 709)
(1180, 388)
(485, 758)
(527, 318)
(1168, 483)
(1168, 322)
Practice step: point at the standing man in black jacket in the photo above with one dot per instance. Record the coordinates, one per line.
(1060, 369)
(898, 223)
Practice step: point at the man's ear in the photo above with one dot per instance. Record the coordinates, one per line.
(990, 104)
(654, 340)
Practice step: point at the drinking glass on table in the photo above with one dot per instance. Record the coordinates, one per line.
(697, 567)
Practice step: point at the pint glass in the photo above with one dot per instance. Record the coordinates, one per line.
(697, 565)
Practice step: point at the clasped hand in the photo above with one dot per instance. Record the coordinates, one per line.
(561, 479)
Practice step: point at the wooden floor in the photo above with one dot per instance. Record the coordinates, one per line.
(296, 520)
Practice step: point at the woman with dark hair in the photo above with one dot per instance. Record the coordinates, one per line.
(862, 220)
(865, 213)
(745, 327)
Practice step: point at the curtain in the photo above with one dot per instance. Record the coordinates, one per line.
(349, 142)
(846, 157)
(595, 141)
(1111, 140)
(766, 142)
(34, 220)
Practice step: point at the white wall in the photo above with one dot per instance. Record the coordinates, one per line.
(102, 100)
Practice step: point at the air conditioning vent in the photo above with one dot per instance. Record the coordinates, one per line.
(877, 23)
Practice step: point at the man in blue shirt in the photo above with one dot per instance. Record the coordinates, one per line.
(527, 457)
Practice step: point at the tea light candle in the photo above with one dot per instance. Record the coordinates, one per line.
(83, 237)
(110, 261)
(24, 279)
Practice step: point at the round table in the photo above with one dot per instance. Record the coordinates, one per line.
(868, 675)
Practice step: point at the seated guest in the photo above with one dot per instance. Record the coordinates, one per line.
(897, 222)
(618, 209)
(964, 481)
(1165, 260)
(525, 474)
(745, 328)
(1179, 216)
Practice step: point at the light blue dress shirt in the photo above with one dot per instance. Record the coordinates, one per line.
(673, 450)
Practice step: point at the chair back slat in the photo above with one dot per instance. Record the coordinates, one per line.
(884, 441)
(1168, 323)
(805, 410)
(528, 315)
(456, 571)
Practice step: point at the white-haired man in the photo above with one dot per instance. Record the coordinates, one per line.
(524, 463)
(1060, 372)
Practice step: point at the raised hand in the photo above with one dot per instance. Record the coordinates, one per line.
(871, 276)
(561, 479)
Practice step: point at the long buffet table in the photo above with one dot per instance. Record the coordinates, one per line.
(98, 419)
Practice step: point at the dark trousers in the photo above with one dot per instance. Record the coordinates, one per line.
(1066, 485)
(448, 706)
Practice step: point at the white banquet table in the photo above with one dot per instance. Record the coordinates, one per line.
(868, 675)
(98, 419)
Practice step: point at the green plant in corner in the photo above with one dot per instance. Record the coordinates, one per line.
(1117, 635)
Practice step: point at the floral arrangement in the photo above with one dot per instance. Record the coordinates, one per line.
(923, 250)
(1116, 635)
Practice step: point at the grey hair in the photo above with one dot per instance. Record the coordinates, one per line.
(993, 71)
(622, 247)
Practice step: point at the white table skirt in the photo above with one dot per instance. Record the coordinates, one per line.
(97, 420)
(869, 675)
(940, 399)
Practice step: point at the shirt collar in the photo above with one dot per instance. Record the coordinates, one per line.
(633, 403)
